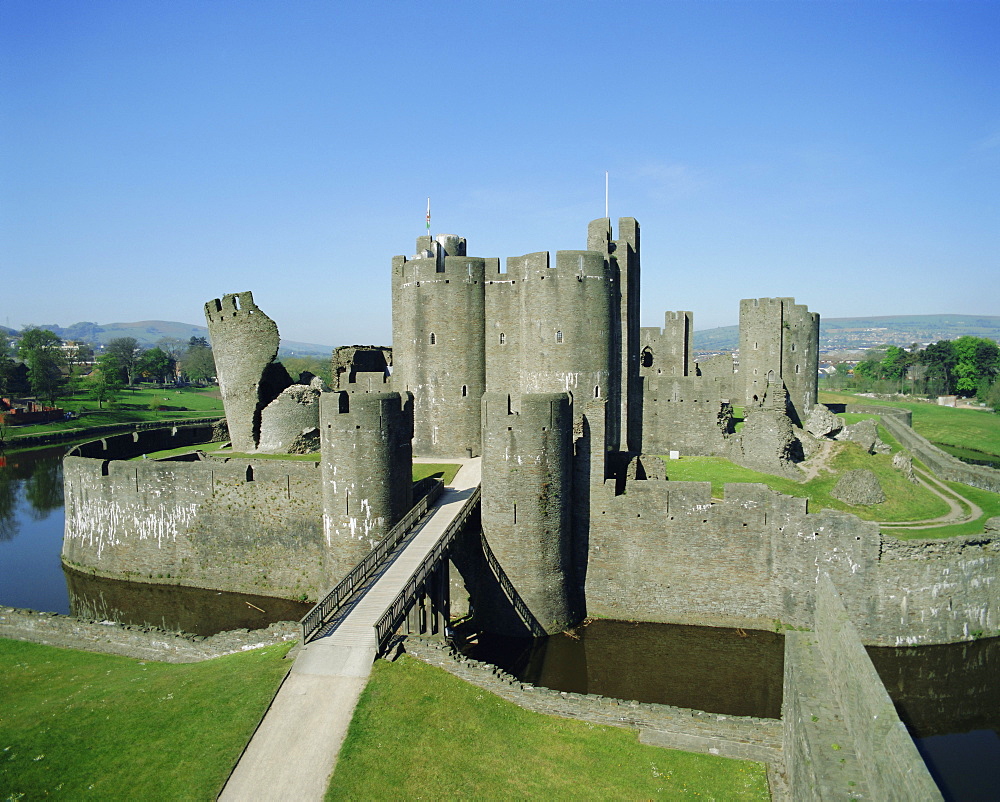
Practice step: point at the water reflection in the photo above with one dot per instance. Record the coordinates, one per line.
(32, 575)
(174, 608)
(31, 530)
(728, 671)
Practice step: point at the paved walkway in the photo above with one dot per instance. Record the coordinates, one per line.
(293, 753)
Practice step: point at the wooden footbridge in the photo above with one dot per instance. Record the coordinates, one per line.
(403, 583)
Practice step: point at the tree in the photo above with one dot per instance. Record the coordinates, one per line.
(155, 363)
(199, 363)
(940, 360)
(174, 347)
(6, 368)
(104, 381)
(40, 349)
(126, 349)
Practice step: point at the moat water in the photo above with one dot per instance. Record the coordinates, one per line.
(32, 574)
(948, 696)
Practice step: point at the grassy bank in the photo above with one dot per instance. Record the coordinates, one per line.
(77, 724)
(420, 732)
(965, 428)
(906, 501)
(134, 407)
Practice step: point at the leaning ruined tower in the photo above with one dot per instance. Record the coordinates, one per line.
(437, 339)
(779, 341)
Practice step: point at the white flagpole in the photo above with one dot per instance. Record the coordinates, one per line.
(428, 217)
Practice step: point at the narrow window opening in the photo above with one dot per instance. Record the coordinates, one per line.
(465, 390)
(559, 337)
(249, 473)
(515, 512)
(597, 391)
(433, 338)
(503, 338)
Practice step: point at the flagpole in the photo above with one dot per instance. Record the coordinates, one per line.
(428, 217)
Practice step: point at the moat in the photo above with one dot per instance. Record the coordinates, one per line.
(949, 696)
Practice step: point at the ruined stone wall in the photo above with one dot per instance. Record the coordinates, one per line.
(244, 525)
(686, 414)
(362, 369)
(367, 465)
(527, 488)
(668, 351)
(292, 414)
(438, 309)
(552, 329)
(779, 340)
(245, 344)
(663, 551)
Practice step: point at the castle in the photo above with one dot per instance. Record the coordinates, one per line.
(541, 368)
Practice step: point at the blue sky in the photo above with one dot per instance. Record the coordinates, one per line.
(155, 155)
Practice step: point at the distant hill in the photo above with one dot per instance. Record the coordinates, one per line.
(861, 333)
(148, 332)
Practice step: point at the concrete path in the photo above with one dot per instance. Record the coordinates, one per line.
(294, 750)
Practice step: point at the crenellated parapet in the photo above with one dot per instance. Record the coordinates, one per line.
(555, 328)
(437, 332)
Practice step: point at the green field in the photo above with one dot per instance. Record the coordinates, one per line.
(133, 406)
(419, 733)
(906, 501)
(75, 724)
(965, 428)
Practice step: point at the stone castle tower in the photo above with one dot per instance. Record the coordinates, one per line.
(438, 312)
(527, 498)
(366, 463)
(779, 340)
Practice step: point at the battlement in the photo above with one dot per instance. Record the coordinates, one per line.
(578, 265)
(231, 305)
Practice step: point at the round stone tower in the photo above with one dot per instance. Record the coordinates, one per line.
(437, 341)
(366, 464)
(527, 469)
(555, 328)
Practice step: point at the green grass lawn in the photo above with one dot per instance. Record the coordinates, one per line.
(132, 407)
(906, 501)
(965, 428)
(988, 502)
(445, 471)
(75, 724)
(419, 733)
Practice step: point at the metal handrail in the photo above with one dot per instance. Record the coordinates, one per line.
(511, 593)
(328, 606)
(395, 612)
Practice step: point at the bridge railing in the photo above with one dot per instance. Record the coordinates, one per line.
(511, 593)
(396, 611)
(328, 606)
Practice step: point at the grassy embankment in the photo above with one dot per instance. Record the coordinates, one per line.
(75, 724)
(906, 501)
(134, 406)
(419, 731)
(978, 430)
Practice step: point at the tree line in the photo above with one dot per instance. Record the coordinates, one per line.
(42, 367)
(968, 366)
